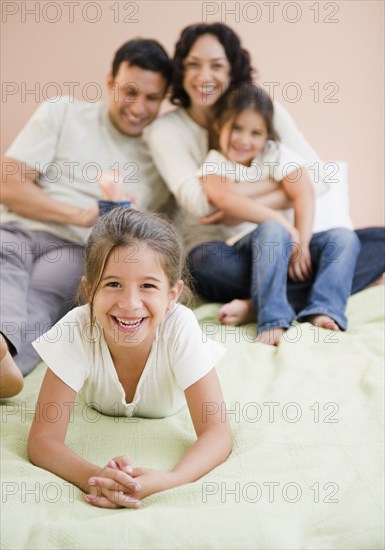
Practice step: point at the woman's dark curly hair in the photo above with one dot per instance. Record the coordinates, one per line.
(239, 59)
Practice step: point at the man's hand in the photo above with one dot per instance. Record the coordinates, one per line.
(86, 217)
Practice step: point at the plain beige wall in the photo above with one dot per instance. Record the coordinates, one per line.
(336, 48)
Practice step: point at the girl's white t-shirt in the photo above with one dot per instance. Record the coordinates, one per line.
(276, 162)
(180, 356)
(178, 146)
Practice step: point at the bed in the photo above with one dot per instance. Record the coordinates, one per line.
(306, 471)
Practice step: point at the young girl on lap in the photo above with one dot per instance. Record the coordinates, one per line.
(133, 345)
(250, 152)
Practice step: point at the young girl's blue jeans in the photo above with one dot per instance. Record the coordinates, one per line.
(257, 268)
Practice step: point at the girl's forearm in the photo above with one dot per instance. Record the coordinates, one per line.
(304, 216)
(62, 461)
(209, 451)
(300, 189)
(254, 189)
(246, 188)
(277, 200)
(268, 194)
(249, 210)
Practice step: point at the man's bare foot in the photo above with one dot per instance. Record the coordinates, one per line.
(11, 379)
(272, 337)
(111, 188)
(323, 321)
(237, 312)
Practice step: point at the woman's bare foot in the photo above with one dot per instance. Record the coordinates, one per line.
(272, 337)
(11, 379)
(323, 321)
(379, 281)
(237, 312)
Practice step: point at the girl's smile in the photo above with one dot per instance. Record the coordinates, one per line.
(133, 297)
(243, 137)
(127, 325)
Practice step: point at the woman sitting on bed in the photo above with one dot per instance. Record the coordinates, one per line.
(209, 64)
(130, 350)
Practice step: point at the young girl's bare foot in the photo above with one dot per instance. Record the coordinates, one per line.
(11, 379)
(237, 312)
(271, 337)
(323, 321)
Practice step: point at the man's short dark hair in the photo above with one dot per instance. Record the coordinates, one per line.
(146, 54)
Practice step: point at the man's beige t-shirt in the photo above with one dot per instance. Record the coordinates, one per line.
(71, 143)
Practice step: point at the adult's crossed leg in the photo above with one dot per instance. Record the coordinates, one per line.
(222, 273)
(40, 278)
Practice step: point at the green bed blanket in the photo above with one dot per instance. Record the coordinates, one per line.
(306, 471)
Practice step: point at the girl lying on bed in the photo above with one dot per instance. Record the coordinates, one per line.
(133, 345)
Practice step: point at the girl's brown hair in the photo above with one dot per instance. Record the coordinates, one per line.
(247, 96)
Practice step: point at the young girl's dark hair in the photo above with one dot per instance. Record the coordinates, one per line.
(247, 96)
(126, 228)
(239, 59)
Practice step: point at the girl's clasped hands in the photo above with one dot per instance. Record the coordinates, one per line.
(119, 485)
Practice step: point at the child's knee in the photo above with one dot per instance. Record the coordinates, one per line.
(272, 231)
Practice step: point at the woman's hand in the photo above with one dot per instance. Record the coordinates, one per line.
(114, 486)
(219, 217)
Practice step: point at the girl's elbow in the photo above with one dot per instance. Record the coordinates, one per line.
(230, 437)
(33, 452)
(227, 440)
(36, 449)
(229, 446)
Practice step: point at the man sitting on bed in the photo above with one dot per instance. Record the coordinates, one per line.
(49, 194)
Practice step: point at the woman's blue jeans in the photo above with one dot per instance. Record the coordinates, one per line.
(344, 262)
